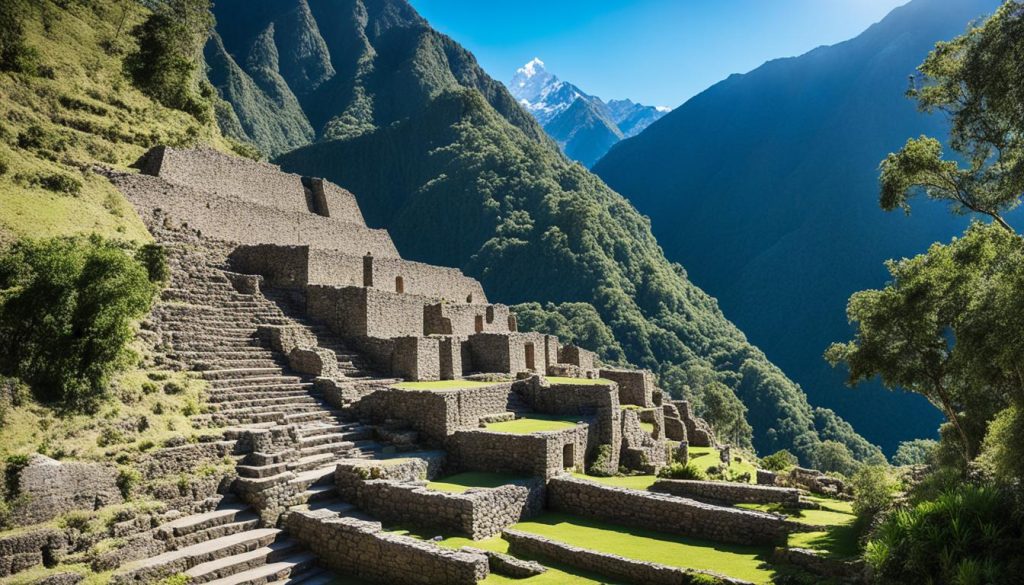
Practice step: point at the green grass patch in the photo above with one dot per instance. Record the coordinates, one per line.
(578, 381)
(634, 482)
(532, 424)
(647, 427)
(839, 540)
(461, 482)
(741, 562)
(442, 385)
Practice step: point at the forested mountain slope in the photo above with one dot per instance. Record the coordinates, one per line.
(765, 188)
(442, 155)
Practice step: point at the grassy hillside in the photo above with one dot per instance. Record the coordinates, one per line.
(80, 112)
(776, 171)
(442, 156)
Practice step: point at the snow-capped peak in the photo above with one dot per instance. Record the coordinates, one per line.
(532, 68)
(663, 109)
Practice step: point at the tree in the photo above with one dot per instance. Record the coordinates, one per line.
(15, 54)
(170, 41)
(68, 307)
(933, 329)
(975, 79)
(835, 456)
(726, 414)
(916, 452)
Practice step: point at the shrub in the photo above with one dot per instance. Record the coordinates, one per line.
(873, 490)
(109, 436)
(37, 137)
(969, 531)
(13, 466)
(1002, 452)
(154, 258)
(601, 466)
(172, 388)
(59, 183)
(77, 520)
(681, 471)
(149, 388)
(67, 312)
(127, 479)
(779, 461)
(15, 55)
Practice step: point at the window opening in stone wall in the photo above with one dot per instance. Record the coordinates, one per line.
(399, 285)
(469, 298)
(490, 314)
(530, 357)
(569, 456)
(479, 323)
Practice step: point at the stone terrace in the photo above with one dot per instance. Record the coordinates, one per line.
(305, 321)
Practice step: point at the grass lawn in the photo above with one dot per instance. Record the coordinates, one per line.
(839, 540)
(647, 427)
(532, 424)
(635, 482)
(705, 457)
(578, 381)
(442, 385)
(461, 482)
(742, 562)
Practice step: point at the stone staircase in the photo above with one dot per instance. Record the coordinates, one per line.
(207, 320)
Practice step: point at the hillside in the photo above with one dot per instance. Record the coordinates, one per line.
(776, 171)
(443, 157)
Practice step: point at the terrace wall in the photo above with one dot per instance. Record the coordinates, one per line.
(726, 492)
(665, 513)
(538, 454)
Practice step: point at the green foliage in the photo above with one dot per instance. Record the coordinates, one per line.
(166, 65)
(15, 54)
(67, 312)
(970, 535)
(781, 460)
(874, 488)
(947, 327)
(678, 470)
(973, 79)
(916, 452)
(836, 457)
(13, 466)
(727, 415)
(576, 323)
(601, 463)
(128, 479)
(1002, 452)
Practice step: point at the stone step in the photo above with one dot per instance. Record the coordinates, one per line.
(271, 572)
(252, 383)
(324, 429)
(238, 373)
(313, 477)
(225, 514)
(237, 402)
(320, 415)
(341, 448)
(235, 564)
(319, 493)
(153, 569)
(219, 396)
(242, 523)
(240, 363)
(315, 576)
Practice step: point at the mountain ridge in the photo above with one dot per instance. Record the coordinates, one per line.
(808, 133)
(583, 125)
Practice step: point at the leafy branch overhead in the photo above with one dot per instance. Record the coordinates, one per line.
(976, 80)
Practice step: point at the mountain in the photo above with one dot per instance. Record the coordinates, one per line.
(765, 187)
(445, 158)
(584, 126)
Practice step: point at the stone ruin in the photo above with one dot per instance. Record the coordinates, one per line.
(306, 323)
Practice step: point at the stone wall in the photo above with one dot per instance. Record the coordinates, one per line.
(544, 454)
(350, 474)
(665, 513)
(364, 550)
(437, 414)
(577, 356)
(49, 488)
(24, 550)
(640, 450)
(635, 386)
(477, 513)
(234, 177)
(366, 312)
(466, 319)
(598, 402)
(245, 222)
(281, 266)
(609, 565)
(726, 492)
(698, 432)
(508, 352)
(417, 278)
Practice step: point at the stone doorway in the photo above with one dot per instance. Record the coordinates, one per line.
(479, 325)
(569, 456)
(530, 357)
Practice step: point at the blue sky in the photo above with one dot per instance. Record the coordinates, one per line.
(658, 52)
